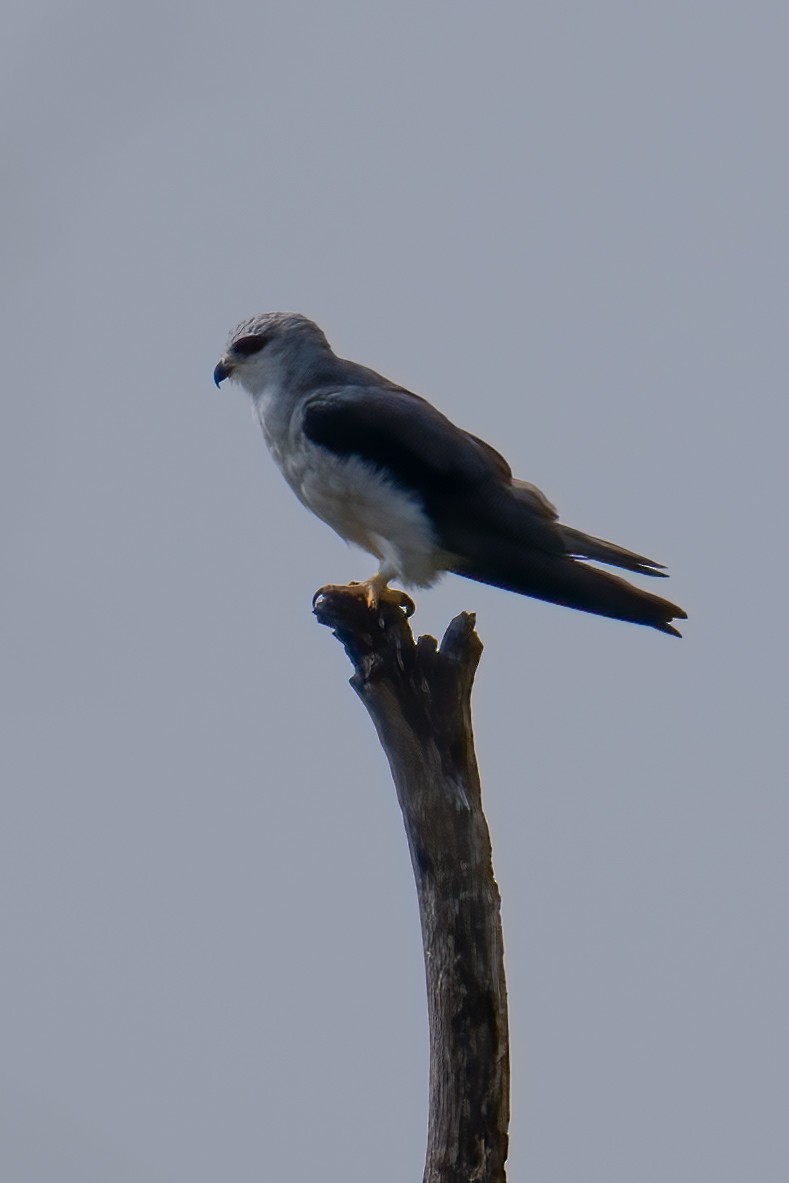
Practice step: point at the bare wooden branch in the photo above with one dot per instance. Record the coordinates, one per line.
(419, 698)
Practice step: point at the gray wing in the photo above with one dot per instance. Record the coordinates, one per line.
(495, 529)
(465, 485)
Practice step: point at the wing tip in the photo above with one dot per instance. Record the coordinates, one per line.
(665, 626)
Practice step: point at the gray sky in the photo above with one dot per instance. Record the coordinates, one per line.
(566, 225)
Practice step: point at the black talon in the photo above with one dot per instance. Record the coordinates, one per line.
(408, 605)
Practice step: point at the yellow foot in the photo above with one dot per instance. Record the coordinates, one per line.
(373, 592)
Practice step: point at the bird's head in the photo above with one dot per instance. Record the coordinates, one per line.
(273, 348)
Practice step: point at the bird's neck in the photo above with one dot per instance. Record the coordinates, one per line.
(274, 410)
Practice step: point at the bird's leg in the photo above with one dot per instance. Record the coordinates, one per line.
(373, 591)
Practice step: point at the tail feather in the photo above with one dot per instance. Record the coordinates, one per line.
(564, 580)
(586, 546)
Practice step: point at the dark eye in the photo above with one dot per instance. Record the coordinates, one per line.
(247, 346)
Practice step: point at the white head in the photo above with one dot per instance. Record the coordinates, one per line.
(282, 349)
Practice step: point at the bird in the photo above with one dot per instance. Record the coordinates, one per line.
(389, 472)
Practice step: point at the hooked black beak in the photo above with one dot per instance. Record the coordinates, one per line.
(222, 371)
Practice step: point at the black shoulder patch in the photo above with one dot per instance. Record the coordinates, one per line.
(388, 435)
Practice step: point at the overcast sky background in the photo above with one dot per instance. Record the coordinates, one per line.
(566, 224)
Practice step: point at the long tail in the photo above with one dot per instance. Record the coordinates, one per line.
(563, 579)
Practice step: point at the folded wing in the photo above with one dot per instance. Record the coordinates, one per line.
(493, 528)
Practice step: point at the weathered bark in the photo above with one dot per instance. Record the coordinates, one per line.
(419, 698)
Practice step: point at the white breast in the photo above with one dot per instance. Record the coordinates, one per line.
(352, 497)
